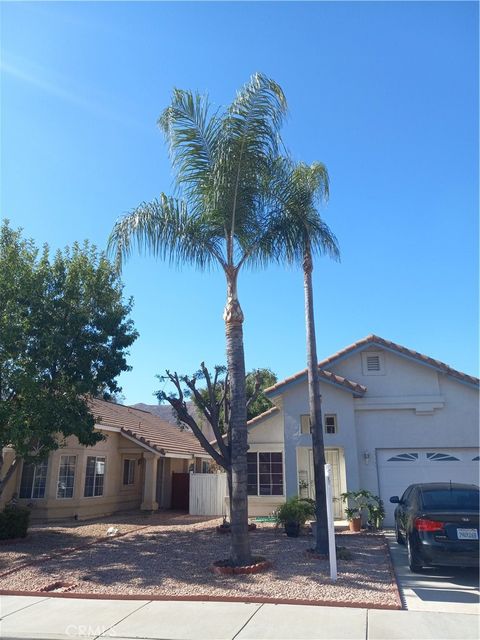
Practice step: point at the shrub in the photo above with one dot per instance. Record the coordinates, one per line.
(295, 510)
(14, 522)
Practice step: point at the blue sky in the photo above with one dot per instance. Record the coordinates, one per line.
(386, 94)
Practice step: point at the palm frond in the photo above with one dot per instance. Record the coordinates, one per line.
(191, 132)
(164, 229)
(292, 197)
(249, 136)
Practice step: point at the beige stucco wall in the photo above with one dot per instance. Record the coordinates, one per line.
(116, 497)
(266, 436)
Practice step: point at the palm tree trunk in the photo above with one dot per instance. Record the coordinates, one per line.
(233, 316)
(315, 402)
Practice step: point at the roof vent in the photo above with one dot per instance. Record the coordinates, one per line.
(373, 363)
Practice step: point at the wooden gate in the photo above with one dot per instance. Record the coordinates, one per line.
(207, 494)
(180, 491)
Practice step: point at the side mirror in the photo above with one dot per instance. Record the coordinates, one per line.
(395, 500)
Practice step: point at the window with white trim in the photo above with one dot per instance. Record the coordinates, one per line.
(34, 480)
(305, 424)
(330, 423)
(129, 471)
(66, 476)
(373, 363)
(94, 476)
(265, 474)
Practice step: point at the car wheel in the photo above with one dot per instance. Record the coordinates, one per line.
(398, 536)
(414, 560)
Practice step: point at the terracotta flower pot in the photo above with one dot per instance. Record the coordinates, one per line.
(355, 524)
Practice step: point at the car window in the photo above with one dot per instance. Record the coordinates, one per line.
(451, 499)
(407, 493)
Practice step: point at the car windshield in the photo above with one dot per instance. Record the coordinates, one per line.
(451, 499)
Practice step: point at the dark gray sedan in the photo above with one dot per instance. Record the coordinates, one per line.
(439, 522)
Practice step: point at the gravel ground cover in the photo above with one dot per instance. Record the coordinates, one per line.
(172, 556)
(49, 539)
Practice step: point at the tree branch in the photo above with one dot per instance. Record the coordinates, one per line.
(180, 407)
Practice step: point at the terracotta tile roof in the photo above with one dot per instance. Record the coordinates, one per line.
(374, 341)
(381, 342)
(146, 428)
(350, 385)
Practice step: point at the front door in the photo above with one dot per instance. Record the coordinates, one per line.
(332, 457)
(180, 491)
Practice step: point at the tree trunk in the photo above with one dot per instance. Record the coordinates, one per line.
(229, 483)
(233, 316)
(315, 403)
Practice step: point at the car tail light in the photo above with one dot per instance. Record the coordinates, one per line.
(422, 524)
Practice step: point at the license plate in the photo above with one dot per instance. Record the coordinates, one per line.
(467, 534)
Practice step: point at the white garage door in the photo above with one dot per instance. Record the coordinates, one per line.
(398, 468)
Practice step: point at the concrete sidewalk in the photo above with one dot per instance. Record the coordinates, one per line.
(39, 618)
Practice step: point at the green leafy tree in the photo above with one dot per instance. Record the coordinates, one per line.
(256, 381)
(302, 234)
(64, 335)
(224, 215)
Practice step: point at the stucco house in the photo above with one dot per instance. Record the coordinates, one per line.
(392, 417)
(136, 466)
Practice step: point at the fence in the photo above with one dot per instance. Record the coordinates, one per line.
(207, 494)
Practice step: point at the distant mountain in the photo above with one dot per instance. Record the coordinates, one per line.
(165, 412)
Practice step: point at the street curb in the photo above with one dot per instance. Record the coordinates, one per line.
(205, 598)
(391, 564)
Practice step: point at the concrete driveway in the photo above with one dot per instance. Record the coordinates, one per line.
(436, 589)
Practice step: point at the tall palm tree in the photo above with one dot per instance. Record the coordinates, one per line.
(220, 215)
(301, 233)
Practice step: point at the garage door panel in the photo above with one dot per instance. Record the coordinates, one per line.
(399, 468)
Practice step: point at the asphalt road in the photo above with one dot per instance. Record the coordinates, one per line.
(436, 589)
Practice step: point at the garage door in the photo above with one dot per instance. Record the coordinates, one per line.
(398, 468)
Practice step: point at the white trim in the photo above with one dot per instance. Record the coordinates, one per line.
(101, 495)
(269, 496)
(424, 404)
(105, 428)
(266, 447)
(67, 455)
(334, 416)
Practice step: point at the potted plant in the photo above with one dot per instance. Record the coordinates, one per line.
(355, 501)
(294, 513)
(376, 512)
(354, 518)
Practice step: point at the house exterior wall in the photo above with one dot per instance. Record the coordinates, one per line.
(266, 436)
(454, 425)
(115, 496)
(334, 401)
(407, 405)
